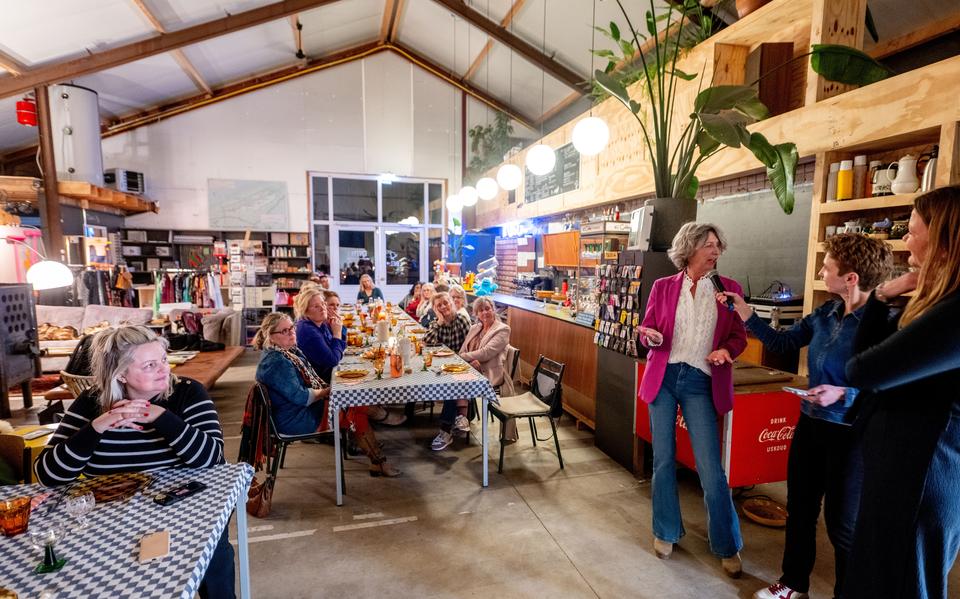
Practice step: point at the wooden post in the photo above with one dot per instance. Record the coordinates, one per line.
(729, 64)
(948, 163)
(834, 22)
(50, 206)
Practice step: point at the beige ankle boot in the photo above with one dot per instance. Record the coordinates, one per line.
(378, 462)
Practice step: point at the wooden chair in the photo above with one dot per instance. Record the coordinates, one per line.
(542, 401)
(76, 383)
(281, 441)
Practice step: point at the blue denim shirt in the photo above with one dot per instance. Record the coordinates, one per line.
(830, 336)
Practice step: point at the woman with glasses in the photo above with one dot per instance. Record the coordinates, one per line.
(139, 416)
(299, 398)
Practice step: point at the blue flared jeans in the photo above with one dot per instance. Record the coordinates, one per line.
(690, 389)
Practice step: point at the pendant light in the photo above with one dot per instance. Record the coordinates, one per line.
(487, 188)
(509, 176)
(590, 135)
(454, 204)
(468, 195)
(541, 158)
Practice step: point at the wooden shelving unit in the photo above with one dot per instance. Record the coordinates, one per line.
(77, 193)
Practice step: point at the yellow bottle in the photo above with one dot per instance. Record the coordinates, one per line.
(845, 180)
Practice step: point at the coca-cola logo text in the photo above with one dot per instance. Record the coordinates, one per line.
(770, 436)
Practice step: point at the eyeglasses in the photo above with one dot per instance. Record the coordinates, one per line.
(285, 331)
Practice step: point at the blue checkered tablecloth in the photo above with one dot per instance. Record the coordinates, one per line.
(103, 559)
(416, 386)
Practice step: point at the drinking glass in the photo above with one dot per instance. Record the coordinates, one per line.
(78, 506)
(45, 536)
(14, 515)
(378, 367)
(427, 359)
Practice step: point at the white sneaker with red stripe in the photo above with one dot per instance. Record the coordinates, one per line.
(779, 591)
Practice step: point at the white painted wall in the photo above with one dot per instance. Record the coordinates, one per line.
(376, 115)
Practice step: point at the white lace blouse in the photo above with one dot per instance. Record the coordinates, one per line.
(695, 324)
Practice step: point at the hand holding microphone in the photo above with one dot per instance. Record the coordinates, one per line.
(715, 279)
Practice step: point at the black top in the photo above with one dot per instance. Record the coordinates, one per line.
(187, 434)
(909, 381)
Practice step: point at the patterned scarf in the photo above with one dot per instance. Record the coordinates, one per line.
(307, 374)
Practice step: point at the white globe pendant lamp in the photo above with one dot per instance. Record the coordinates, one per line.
(541, 159)
(454, 204)
(49, 274)
(590, 136)
(468, 195)
(487, 188)
(509, 176)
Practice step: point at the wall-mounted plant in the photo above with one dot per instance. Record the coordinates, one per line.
(488, 144)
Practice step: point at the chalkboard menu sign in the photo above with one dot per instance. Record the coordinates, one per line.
(564, 177)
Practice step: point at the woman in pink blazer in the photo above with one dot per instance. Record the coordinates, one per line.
(693, 340)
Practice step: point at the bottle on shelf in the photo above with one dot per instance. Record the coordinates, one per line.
(871, 178)
(860, 176)
(845, 180)
(832, 182)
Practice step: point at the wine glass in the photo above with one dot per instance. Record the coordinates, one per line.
(78, 506)
(45, 537)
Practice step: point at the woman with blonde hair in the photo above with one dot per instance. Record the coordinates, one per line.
(693, 340)
(319, 334)
(299, 397)
(138, 416)
(908, 371)
(368, 292)
(425, 313)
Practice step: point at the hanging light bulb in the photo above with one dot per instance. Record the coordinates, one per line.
(468, 195)
(590, 136)
(509, 176)
(540, 159)
(487, 188)
(454, 204)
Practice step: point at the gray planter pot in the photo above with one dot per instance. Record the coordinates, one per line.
(669, 214)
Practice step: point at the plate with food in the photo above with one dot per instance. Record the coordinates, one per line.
(113, 487)
(373, 354)
(455, 368)
(417, 331)
(443, 353)
(351, 373)
(764, 510)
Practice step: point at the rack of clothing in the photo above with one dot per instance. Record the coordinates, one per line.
(106, 286)
(200, 287)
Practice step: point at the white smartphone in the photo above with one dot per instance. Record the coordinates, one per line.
(795, 391)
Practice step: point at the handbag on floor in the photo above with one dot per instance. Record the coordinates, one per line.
(260, 496)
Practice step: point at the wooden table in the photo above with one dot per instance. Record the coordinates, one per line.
(205, 368)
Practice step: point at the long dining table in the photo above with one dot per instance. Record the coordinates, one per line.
(433, 384)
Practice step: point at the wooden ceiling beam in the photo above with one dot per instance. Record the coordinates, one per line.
(453, 79)
(504, 22)
(164, 42)
(553, 68)
(248, 85)
(386, 24)
(555, 110)
(395, 29)
(178, 55)
(922, 35)
(10, 65)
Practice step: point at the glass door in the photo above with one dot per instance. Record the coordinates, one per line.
(353, 251)
(404, 257)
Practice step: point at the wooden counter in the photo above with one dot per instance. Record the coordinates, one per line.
(549, 331)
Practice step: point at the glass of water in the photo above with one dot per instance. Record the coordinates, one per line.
(78, 506)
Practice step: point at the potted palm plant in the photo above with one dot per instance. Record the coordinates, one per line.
(719, 117)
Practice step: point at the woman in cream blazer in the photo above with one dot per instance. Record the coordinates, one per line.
(485, 347)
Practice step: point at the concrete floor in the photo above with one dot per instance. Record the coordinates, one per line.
(536, 531)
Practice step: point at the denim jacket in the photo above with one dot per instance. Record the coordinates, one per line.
(830, 336)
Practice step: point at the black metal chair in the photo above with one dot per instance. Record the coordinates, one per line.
(281, 441)
(544, 400)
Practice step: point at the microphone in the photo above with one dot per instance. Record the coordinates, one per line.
(715, 279)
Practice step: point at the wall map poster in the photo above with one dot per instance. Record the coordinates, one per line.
(564, 177)
(237, 204)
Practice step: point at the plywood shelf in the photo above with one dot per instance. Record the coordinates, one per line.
(86, 195)
(879, 203)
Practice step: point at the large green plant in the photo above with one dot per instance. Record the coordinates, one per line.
(488, 144)
(721, 114)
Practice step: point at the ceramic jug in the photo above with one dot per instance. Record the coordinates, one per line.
(906, 180)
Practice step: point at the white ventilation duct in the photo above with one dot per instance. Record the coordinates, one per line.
(75, 123)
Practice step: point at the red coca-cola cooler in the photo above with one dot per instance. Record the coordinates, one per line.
(755, 436)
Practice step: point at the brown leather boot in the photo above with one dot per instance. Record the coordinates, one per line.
(378, 462)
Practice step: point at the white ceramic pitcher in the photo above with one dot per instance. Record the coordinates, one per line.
(906, 180)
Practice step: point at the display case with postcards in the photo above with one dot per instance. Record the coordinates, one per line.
(619, 308)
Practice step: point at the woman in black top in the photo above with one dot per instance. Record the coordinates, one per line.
(139, 416)
(908, 370)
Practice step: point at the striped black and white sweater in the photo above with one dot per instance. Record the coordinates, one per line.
(187, 434)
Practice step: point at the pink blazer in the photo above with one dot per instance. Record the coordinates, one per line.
(491, 355)
(662, 315)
